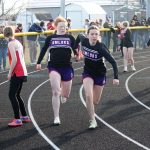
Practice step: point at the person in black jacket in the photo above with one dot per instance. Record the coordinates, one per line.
(148, 43)
(42, 37)
(32, 41)
(94, 74)
(60, 45)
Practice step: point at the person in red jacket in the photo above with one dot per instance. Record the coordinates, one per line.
(50, 25)
(19, 29)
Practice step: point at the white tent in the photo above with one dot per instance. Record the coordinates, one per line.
(78, 12)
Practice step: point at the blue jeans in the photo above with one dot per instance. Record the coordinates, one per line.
(3, 55)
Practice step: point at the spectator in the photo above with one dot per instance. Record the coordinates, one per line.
(69, 23)
(148, 21)
(127, 47)
(32, 41)
(135, 18)
(3, 50)
(135, 33)
(19, 38)
(50, 25)
(100, 23)
(116, 40)
(42, 37)
(107, 34)
(148, 43)
(142, 34)
(86, 23)
(92, 23)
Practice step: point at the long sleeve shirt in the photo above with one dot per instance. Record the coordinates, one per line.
(93, 57)
(60, 50)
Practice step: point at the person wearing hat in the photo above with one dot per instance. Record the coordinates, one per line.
(32, 41)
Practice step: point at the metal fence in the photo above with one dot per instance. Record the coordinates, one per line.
(140, 36)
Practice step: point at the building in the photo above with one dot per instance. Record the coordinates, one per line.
(51, 8)
(47, 9)
(78, 12)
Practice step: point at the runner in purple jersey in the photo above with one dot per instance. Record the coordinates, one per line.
(94, 73)
(60, 46)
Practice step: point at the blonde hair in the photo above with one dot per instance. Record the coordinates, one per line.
(8, 32)
(59, 19)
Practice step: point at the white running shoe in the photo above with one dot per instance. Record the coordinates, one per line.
(63, 99)
(125, 69)
(93, 124)
(57, 121)
(133, 68)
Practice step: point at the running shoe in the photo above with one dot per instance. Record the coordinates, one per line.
(125, 69)
(15, 123)
(93, 124)
(63, 99)
(133, 68)
(57, 121)
(25, 119)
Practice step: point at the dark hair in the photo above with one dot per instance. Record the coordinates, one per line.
(19, 24)
(51, 20)
(91, 28)
(42, 23)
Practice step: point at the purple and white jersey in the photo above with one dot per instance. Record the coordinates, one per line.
(93, 57)
(60, 42)
(60, 50)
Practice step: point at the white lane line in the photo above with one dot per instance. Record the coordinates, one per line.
(32, 117)
(33, 120)
(28, 74)
(29, 105)
(82, 60)
(8, 69)
(128, 90)
(111, 127)
(76, 63)
(35, 71)
(3, 82)
(134, 63)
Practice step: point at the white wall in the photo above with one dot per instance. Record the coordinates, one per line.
(74, 12)
(76, 18)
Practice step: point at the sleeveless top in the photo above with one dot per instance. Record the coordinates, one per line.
(20, 68)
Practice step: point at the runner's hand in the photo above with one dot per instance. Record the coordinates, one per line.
(38, 67)
(9, 76)
(77, 58)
